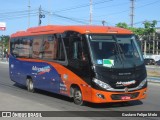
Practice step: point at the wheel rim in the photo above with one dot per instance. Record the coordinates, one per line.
(27, 84)
(30, 85)
(78, 97)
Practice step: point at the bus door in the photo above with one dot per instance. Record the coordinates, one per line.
(78, 58)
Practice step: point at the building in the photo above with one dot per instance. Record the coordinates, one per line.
(151, 44)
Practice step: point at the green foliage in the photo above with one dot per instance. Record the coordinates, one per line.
(149, 28)
(137, 31)
(122, 25)
(4, 40)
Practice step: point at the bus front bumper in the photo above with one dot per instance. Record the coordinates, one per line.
(108, 97)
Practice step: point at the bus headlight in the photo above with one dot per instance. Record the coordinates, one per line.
(101, 84)
(142, 83)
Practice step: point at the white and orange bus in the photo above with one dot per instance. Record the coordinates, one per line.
(96, 64)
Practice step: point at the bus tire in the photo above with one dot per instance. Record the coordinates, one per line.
(30, 85)
(77, 96)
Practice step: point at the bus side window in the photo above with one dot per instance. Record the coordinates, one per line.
(77, 58)
(15, 47)
(30, 40)
(60, 50)
(77, 50)
(48, 48)
(24, 47)
(12, 46)
(36, 47)
(52, 48)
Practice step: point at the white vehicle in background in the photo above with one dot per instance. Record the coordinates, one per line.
(155, 57)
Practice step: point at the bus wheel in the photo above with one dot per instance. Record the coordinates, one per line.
(30, 86)
(77, 97)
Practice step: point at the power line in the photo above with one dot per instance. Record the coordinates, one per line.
(128, 10)
(12, 15)
(68, 18)
(72, 19)
(140, 22)
(17, 17)
(16, 12)
(86, 5)
(148, 4)
(24, 13)
(115, 5)
(82, 6)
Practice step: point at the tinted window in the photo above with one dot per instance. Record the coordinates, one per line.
(25, 47)
(116, 51)
(48, 47)
(60, 50)
(15, 47)
(36, 47)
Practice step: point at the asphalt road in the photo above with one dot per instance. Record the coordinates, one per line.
(16, 98)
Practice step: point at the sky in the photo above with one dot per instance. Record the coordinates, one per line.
(75, 12)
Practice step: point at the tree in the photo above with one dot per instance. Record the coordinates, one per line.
(4, 40)
(122, 25)
(149, 28)
(147, 33)
(4, 44)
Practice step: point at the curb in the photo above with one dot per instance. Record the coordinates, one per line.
(4, 62)
(154, 81)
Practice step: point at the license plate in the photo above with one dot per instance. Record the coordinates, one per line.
(125, 98)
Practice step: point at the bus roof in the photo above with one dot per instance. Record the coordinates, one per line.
(52, 29)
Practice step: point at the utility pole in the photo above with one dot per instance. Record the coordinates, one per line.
(29, 13)
(132, 12)
(49, 14)
(40, 16)
(91, 12)
(103, 22)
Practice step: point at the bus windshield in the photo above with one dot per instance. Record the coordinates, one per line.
(115, 51)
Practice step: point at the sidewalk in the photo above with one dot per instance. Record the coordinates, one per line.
(4, 61)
